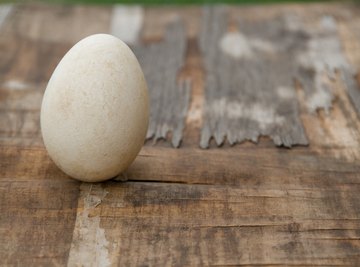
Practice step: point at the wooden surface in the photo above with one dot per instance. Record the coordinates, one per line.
(247, 204)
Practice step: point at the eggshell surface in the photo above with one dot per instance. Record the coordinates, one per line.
(95, 110)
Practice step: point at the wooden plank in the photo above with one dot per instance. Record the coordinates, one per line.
(89, 246)
(37, 212)
(336, 134)
(274, 169)
(161, 63)
(249, 84)
(274, 213)
(350, 35)
(175, 224)
(194, 71)
(255, 64)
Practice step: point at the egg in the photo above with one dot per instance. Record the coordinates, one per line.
(95, 109)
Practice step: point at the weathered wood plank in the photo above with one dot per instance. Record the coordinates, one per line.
(249, 81)
(174, 224)
(336, 134)
(37, 212)
(274, 213)
(350, 36)
(250, 72)
(89, 245)
(161, 63)
(274, 169)
(325, 56)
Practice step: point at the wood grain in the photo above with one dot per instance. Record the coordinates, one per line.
(169, 98)
(291, 216)
(38, 211)
(251, 66)
(249, 88)
(182, 225)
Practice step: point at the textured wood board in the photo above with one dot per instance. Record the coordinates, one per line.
(250, 70)
(335, 134)
(161, 63)
(249, 89)
(289, 217)
(37, 212)
(171, 225)
(350, 35)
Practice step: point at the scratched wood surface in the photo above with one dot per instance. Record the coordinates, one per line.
(247, 204)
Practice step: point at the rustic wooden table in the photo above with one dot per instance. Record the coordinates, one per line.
(280, 76)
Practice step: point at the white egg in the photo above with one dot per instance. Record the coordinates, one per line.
(95, 110)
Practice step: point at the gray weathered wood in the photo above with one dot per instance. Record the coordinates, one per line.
(251, 70)
(321, 59)
(352, 87)
(249, 85)
(169, 98)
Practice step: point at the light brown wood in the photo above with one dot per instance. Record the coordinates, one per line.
(38, 210)
(227, 217)
(248, 204)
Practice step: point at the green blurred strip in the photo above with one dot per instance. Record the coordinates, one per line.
(177, 2)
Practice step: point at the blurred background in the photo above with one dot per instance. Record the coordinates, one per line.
(217, 74)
